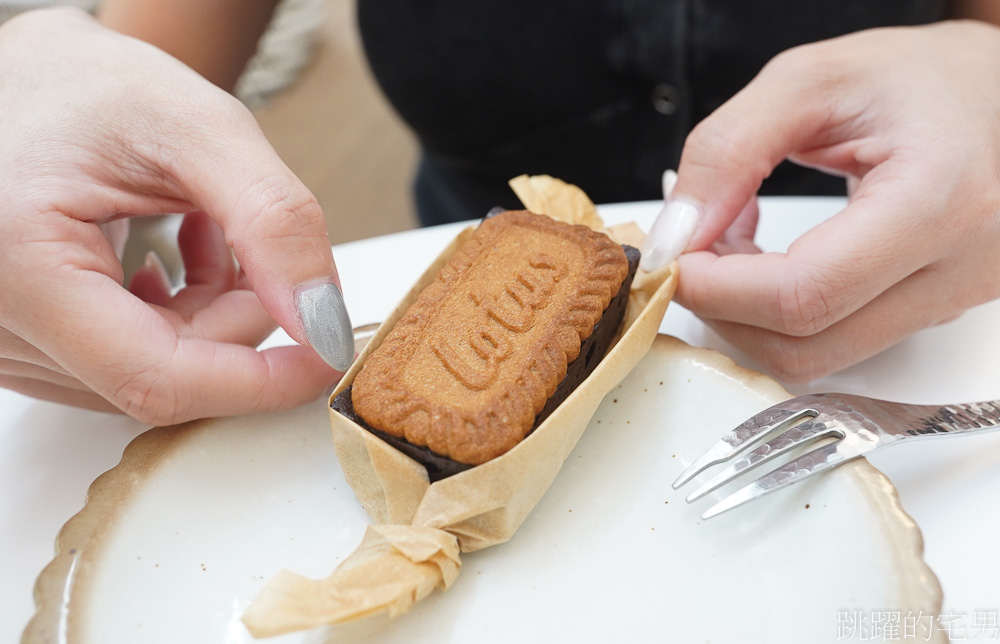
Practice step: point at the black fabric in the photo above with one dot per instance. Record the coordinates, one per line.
(571, 88)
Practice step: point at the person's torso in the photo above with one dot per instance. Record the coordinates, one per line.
(599, 92)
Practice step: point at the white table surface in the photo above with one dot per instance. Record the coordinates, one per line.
(49, 454)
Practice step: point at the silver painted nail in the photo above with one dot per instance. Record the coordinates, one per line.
(326, 323)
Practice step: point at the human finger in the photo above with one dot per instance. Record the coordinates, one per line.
(207, 258)
(234, 317)
(219, 163)
(13, 347)
(739, 237)
(131, 354)
(22, 369)
(915, 303)
(278, 234)
(237, 380)
(727, 156)
(150, 282)
(43, 390)
(216, 302)
(830, 272)
(137, 361)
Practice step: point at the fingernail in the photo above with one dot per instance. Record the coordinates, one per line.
(671, 233)
(155, 264)
(326, 323)
(669, 181)
(117, 233)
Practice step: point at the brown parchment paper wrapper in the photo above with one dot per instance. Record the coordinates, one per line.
(422, 527)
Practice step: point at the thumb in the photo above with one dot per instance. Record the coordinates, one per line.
(727, 157)
(277, 231)
(198, 146)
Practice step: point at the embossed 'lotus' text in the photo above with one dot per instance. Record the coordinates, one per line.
(514, 311)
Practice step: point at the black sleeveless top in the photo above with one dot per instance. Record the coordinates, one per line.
(600, 93)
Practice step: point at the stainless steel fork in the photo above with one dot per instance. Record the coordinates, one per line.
(858, 424)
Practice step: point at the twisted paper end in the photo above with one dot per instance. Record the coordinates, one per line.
(394, 567)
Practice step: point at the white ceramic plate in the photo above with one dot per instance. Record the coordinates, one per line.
(176, 541)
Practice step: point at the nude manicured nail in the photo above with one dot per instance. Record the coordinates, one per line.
(669, 181)
(671, 233)
(326, 323)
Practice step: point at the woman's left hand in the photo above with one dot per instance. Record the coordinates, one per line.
(911, 116)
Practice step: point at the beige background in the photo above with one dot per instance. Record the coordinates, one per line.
(337, 133)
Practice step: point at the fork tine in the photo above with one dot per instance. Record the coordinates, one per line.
(773, 418)
(793, 437)
(814, 462)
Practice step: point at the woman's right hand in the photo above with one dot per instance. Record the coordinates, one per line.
(97, 127)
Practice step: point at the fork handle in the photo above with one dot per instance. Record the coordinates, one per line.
(931, 420)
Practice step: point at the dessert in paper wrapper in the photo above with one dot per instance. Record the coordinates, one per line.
(421, 527)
